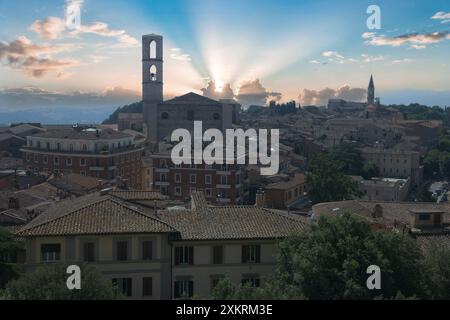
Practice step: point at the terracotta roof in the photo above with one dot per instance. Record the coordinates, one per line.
(131, 195)
(97, 214)
(234, 222)
(105, 216)
(82, 135)
(393, 212)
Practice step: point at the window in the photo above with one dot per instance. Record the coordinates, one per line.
(208, 193)
(82, 172)
(36, 158)
(253, 282)
(223, 180)
(184, 255)
(147, 250)
(215, 280)
(178, 191)
(147, 286)
(163, 177)
(153, 72)
(163, 163)
(83, 162)
(165, 116)
(183, 289)
(122, 250)
(178, 178)
(424, 217)
(56, 161)
(84, 148)
(193, 178)
(89, 252)
(47, 145)
(152, 49)
(208, 179)
(45, 159)
(123, 286)
(71, 148)
(50, 252)
(58, 146)
(217, 254)
(69, 161)
(251, 254)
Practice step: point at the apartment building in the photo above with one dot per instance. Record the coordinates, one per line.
(396, 163)
(167, 254)
(221, 183)
(384, 189)
(102, 153)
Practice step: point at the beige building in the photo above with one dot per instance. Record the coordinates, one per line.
(396, 163)
(164, 254)
(384, 189)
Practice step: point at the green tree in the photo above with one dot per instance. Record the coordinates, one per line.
(431, 163)
(424, 195)
(9, 247)
(327, 182)
(49, 283)
(370, 170)
(437, 261)
(331, 260)
(350, 156)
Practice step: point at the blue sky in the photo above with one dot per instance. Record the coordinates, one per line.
(274, 49)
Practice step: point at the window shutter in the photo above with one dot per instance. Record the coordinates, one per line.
(244, 254)
(177, 255)
(191, 288)
(176, 289)
(191, 255)
(258, 254)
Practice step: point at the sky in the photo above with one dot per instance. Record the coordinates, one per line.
(254, 51)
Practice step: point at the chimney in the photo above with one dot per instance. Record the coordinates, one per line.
(377, 211)
(260, 199)
(14, 203)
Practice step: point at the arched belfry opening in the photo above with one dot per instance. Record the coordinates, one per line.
(153, 73)
(152, 49)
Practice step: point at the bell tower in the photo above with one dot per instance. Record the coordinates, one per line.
(152, 81)
(371, 92)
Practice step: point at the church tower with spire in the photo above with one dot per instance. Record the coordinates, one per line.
(371, 92)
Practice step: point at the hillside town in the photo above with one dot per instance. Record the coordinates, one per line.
(110, 195)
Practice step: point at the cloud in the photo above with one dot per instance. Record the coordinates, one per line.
(415, 40)
(315, 62)
(48, 29)
(211, 91)
(369, 58)
(321, 97)
(103, 29)
(404, 60)
(34, 59)
(332, 54)
(253, 93)
(443, 16)
(177, 54)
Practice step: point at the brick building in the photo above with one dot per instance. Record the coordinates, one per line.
(221, 184)
(100, 153)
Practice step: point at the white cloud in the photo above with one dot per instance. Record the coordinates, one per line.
(177, 54)
(35, 60)
(444, 16)
(417, 39)
(321, 97)
(48, 29)
(332, 54)
(315, 62)
(369, 58)
(404, 60)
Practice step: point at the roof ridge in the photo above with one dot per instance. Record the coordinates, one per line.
(136, 209)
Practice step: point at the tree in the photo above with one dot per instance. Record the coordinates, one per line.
(424, 195)
(49, 283)
(326, 181)
(431, 163)
(9, 247)
(330, 260)
(351, 157)
(370, 170)
(437, 262)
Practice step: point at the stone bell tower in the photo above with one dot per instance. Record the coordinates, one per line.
(152, 81)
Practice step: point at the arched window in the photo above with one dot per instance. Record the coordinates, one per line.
(84, 147)
(165, 115)
(153, 49)
(153, 72)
